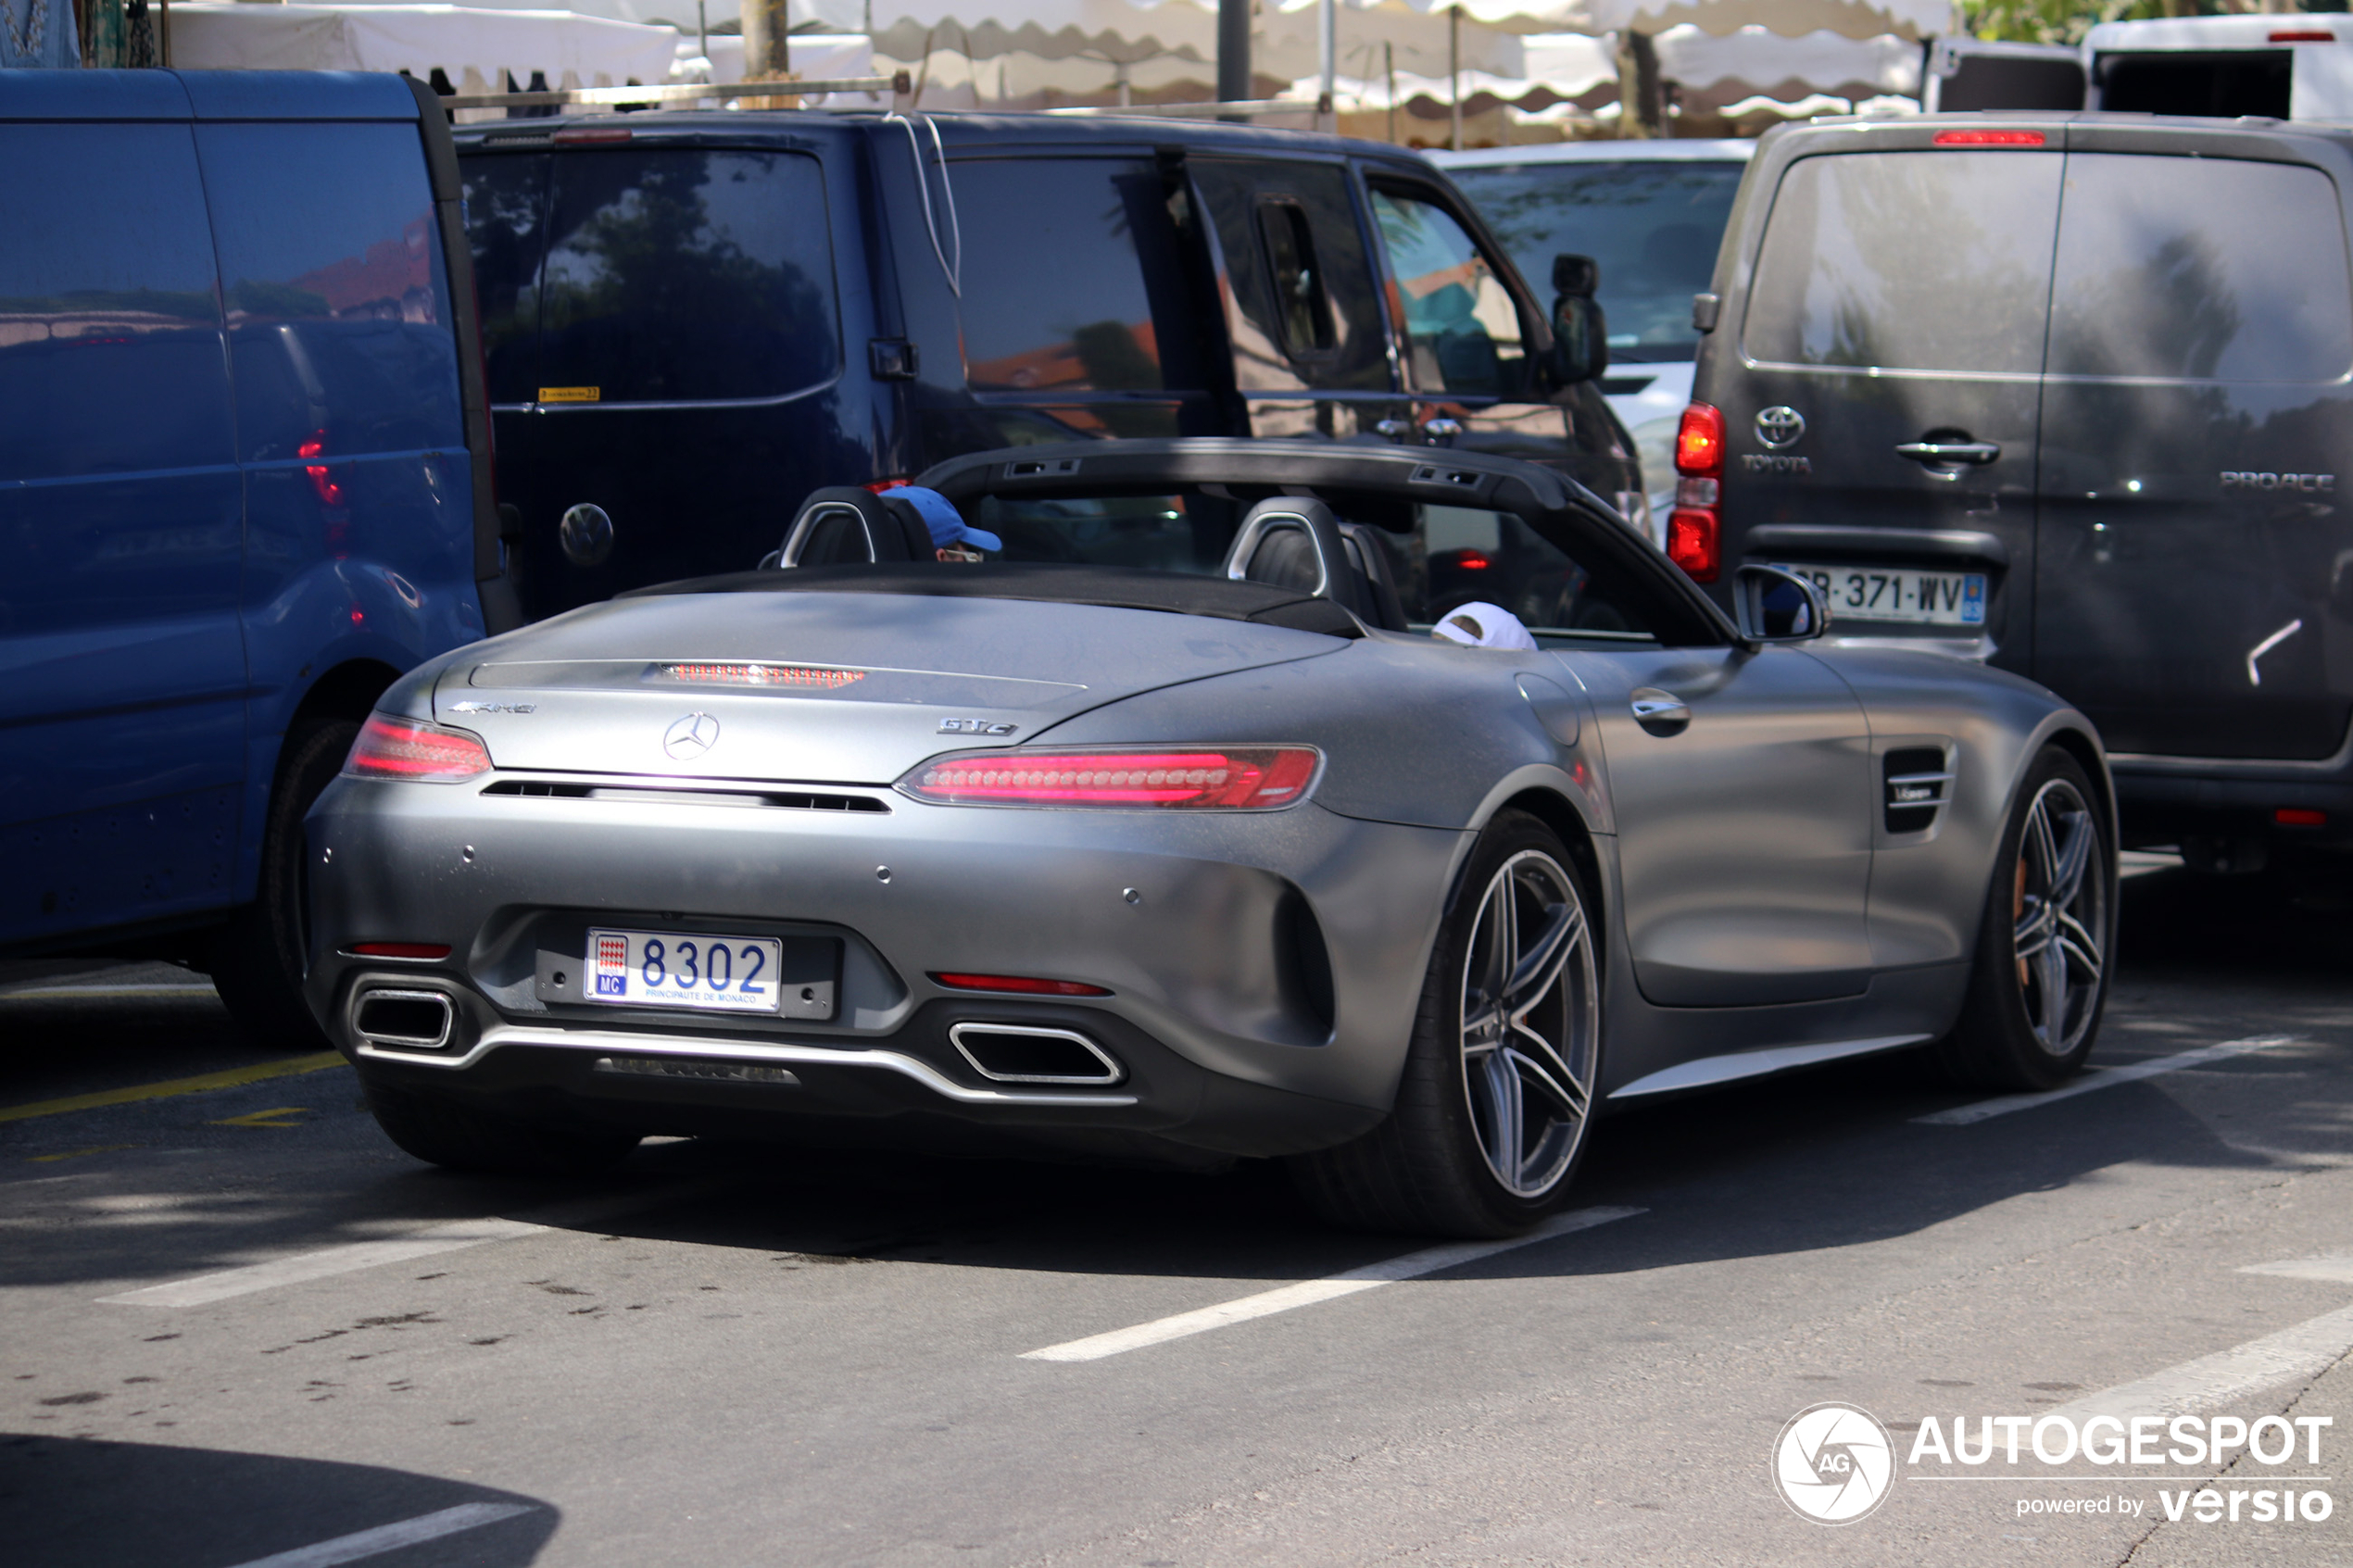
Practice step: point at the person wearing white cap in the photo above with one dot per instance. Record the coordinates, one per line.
(1482, 626)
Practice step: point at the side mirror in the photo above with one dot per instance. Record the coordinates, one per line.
(1580, 339)
(1774, 606)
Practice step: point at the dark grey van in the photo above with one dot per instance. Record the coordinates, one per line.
(2073, 393)
(695, 319)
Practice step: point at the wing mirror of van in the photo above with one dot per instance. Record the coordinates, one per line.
(1773, 606)
(1581, 333)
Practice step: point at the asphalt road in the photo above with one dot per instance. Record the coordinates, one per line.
(727, 1355)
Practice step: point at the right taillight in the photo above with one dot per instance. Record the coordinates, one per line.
(1695, 528)
(414, 750)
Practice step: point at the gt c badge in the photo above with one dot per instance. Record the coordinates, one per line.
(1780, 426)
(691, 737)
(974, 727)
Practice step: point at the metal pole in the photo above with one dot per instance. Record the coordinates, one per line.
(1327, 63)
(1233, 51)
(1455, 75)
(702, 29)
(767, 53)
(1389, 66)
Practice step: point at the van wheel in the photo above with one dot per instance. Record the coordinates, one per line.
(443, 1131)
(257, 959)
(2043, 947)
(1492, 1107)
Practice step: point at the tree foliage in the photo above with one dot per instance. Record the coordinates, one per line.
(2058, 21)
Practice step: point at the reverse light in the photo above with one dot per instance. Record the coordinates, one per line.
(427, 950)
(1020, 985)
(1695, 528)
(414, 750)
(807, 675)
(1989, 138)
(1251, 778)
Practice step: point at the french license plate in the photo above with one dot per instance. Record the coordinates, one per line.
(670, 969)
(1886, 593)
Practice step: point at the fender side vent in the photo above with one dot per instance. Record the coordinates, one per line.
(1916, 786)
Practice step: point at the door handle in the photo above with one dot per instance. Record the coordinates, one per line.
(1393, 429)
(1942, 454)
(1441, 430)
(1660, 713)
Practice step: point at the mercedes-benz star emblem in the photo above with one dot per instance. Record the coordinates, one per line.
(691, 737)
(1780, 426)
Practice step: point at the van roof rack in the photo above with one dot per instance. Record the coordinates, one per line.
(898, 83)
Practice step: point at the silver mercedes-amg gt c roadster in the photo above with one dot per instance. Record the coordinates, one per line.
(1166, 830)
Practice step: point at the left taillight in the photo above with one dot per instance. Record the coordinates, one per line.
(414, 750)
(1232, 778)
(1695, 528)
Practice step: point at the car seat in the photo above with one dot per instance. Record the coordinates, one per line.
(1295, 542)
(847, 522)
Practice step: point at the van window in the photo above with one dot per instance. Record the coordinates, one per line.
(2200, 268)
(1070, 278)
(109, 343)
(684, 276)
(1243, 200)
(506, 228)
(1462, 331)
(340, 330)
(1933, 260)
(1653, 224)
(1300, 302)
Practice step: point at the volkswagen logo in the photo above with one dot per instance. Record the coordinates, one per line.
(691, 737)
(1780, 426)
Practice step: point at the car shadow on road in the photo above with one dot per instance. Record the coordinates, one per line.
(72, 1502)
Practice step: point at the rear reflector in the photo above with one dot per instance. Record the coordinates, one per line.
(419, 752)
(1251, 778)
(2312, 36)
(1020, 985)
(1989, 138)
(762, 675)
(2300, 817)
(400, 950)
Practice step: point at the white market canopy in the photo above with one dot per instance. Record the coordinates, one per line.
(476, 47)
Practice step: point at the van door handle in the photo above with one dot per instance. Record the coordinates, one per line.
(1442, 429)
(1939, 454)
(1393, 429)
(1660, 713)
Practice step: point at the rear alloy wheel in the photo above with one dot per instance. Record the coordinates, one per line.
(1496, 1094)
(2045, 947)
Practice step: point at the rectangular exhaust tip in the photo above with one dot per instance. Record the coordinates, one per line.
(1021, 1053)
(404, 1020)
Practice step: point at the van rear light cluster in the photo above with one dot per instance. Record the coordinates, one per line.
(419, 752)
(1695, 528)
(1249, 778)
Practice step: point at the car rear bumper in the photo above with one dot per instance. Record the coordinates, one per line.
(1214, 936)
(2165, 799)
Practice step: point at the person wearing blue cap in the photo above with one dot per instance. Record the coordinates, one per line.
(952, 539)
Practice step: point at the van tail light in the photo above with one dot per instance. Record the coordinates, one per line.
(1244, 778)
(1695, 528)
(419, 752)
(2303, 35)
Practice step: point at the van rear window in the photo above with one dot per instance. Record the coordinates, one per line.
(2200, 268)
(1908, 260)
(685, 275)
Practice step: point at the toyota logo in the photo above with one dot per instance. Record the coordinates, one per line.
(691, 737)
(1780, 426)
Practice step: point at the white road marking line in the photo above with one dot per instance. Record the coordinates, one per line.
(2336, 1271)
(321, 1264)
(1308, 1292)
(392, 1538)
(2102, 1078)
(2292, 1354)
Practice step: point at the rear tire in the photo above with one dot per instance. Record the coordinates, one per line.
(2044, 947)
(259, 958)
(1496, 1099)
(443, 1131)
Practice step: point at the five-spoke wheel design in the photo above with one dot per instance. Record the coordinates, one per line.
(1530, 1023)
(2060, 916)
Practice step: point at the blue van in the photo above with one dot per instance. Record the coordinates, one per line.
(244, 484)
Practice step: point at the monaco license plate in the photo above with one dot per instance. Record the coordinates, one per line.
(671, 968)
(1907, 594)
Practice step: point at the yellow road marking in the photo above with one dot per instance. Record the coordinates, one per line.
(78, 1153)
(264, 1117)
(202, 1083)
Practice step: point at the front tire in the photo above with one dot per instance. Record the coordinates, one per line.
(2040, 980)
(1496, 1094)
